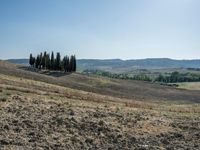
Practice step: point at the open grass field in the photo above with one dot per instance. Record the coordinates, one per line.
(189, 85)
(39, 111)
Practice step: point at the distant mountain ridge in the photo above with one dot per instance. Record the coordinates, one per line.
(19, 61)
(126, 65)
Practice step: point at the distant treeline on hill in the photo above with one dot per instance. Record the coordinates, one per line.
(173, 77)
(48, 62)
(123, 76)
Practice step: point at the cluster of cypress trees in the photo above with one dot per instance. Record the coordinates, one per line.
(47, 62)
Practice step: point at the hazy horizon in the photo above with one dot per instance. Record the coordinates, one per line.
(115, 29)
(112, 59)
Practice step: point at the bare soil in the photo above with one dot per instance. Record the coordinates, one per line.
(37, 115)
(37, 124)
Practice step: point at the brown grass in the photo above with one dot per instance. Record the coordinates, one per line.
(70, 117)
(126, 89)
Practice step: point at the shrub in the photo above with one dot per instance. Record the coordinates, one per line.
(3, 98)
(7, 93)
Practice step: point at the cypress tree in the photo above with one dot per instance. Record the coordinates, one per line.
(58, 61)
(74, 69)
(31, 60)
(43, 61)
(48, 62)
(40, 64)
(52, 61)
(37, 62)
(64, 63)
(71, 64)
(67, 64)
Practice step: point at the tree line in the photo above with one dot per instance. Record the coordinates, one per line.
(175, 77)
(50, 62)
(123, 76)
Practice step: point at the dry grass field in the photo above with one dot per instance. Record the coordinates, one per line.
(36, 113)
(190, 85)
(129, 89)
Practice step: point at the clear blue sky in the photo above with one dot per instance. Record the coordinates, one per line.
(126, 29)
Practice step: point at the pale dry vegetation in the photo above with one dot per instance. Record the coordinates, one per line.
(123, 89)
(37, 115)
(189, 85)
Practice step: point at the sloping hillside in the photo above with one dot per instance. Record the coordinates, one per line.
(117, 88)
(39, 115)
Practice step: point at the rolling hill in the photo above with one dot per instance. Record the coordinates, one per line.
(145, 91)
(127, 65)
(52, 110)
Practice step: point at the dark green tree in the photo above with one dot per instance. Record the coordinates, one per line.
(37, 61)
(31, 60)
(72, 67)
(48, 62)
(52, 63)
(71, 64)
(58, 61)
(64, 63)
(44, 60)
(40, 64)
(74, 59)
(67, 64)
